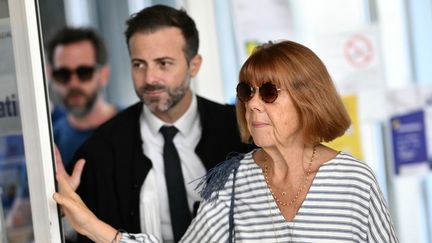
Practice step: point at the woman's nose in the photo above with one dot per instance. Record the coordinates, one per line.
(255, 103)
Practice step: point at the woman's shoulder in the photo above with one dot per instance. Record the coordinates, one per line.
(346, 165)
(221, 177)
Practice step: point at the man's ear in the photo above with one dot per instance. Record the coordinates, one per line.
(104, 73)
(195, 65)
(48, 71)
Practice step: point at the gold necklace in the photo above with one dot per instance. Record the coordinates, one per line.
(301, 188)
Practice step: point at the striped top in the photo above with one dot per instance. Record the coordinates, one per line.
(344, 204)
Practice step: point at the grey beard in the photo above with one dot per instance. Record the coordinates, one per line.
(81, 112)
(174, 97)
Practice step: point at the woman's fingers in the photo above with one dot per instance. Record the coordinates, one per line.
(58, 161)
(71, 205)
(65, 188)
(59, 198)
(65, 194)
(76, 212)
(74, 179)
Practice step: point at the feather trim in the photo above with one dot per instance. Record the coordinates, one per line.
(216, 177)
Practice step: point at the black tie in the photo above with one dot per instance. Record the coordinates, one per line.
(178, 204)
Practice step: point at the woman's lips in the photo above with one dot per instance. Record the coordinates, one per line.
(259, 124)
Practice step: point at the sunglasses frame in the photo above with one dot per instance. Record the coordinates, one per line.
(262, 92)
(67, 73)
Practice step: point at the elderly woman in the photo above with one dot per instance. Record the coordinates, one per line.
(291, 189)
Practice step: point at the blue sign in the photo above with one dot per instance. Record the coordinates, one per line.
(409, 139)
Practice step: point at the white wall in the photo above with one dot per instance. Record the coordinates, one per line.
(209, 81)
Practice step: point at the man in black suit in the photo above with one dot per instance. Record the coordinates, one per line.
(123, 181)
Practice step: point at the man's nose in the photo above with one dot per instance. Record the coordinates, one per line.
(151, 74)
(74, 80)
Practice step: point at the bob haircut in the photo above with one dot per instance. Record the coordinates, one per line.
(295, 68)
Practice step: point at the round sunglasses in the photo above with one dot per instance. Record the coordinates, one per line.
(63, 75)
(267, 91)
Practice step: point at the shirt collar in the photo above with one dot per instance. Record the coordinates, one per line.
(183, 124)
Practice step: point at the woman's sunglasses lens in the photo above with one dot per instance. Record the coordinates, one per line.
(268, 92)
(244, 92)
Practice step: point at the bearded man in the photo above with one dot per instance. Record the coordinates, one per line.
(141, 166)
(79, 71)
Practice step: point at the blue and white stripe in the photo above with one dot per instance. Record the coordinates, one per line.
(344, 204)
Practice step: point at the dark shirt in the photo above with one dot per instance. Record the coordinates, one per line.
(68, 139)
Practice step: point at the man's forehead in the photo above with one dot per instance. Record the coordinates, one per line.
(164, 43)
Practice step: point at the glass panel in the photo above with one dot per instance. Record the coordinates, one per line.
(15, 211)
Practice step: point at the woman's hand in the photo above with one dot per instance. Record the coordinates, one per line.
(72, 206)
(73, 180)
(77, 213)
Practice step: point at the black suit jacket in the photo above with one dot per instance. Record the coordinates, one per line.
(116, 166)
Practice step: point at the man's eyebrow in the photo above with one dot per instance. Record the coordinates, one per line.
(165, 58)
(137, 60)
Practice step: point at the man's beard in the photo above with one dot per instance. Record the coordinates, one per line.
(158, 104)
(81, 111)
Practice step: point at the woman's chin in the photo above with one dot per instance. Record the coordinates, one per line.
(261, 143)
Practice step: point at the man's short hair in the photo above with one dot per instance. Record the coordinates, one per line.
(154, 18)
(70, 35)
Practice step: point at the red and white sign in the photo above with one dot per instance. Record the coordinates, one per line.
(358, 51)
(353, 59)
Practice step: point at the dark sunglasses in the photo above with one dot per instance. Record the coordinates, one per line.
(267, 91)
(84, 73)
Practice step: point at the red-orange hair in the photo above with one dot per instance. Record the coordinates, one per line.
(298, 70)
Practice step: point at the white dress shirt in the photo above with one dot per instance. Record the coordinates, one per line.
(154, 207)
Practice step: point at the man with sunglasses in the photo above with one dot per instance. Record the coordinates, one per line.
(79, 71)
(126, 180)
